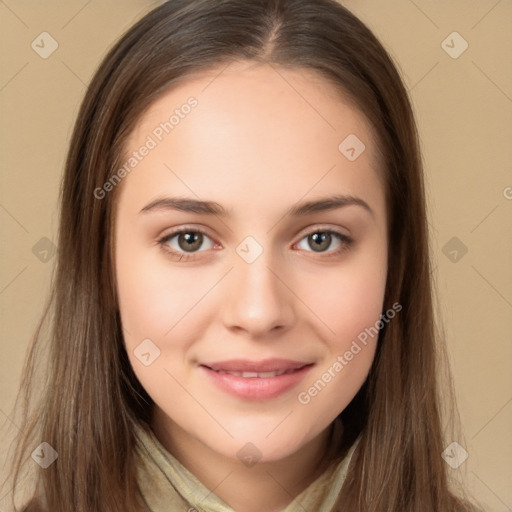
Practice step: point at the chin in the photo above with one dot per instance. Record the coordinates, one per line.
(258, 443)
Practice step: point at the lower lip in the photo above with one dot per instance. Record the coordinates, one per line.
(257, 388)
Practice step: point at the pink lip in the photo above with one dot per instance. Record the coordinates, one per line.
(256, 388)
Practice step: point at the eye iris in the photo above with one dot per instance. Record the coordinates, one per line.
(190, 241)
(320, 241)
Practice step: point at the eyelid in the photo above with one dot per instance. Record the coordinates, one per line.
(314, 228)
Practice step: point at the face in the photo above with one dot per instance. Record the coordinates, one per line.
(251, 257)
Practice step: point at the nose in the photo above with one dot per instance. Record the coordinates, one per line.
(259, 301)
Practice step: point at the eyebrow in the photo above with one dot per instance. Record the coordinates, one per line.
(213, 208)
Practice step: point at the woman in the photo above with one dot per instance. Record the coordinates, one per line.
(255, 373)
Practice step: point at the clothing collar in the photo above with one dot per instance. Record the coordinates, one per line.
(166, 484)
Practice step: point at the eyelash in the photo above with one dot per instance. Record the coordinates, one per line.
(346, 243)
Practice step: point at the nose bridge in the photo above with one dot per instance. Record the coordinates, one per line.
(257, 299)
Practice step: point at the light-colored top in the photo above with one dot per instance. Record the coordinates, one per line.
(166, 484)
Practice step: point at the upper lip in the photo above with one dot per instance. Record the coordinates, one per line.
(245, 365)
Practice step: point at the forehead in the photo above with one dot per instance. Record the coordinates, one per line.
(256, 125)
(250, 93)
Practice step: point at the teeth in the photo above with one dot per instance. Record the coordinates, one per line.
(254, 375)
(264, 375)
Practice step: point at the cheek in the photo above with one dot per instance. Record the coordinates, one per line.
(156, 305)
(349, 301)
(350, 298)
(152, 299)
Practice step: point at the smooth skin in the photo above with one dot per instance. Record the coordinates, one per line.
(261, 140)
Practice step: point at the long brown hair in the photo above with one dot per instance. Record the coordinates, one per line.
(91, 399)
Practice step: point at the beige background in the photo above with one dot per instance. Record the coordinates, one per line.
(464, 111)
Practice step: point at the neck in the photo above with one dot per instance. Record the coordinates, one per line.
(269, 485)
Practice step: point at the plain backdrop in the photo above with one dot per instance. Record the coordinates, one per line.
(463, 102)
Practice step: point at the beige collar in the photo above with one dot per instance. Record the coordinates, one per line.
(166, 485)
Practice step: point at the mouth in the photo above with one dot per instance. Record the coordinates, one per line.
(255, 375)
(256, 380)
